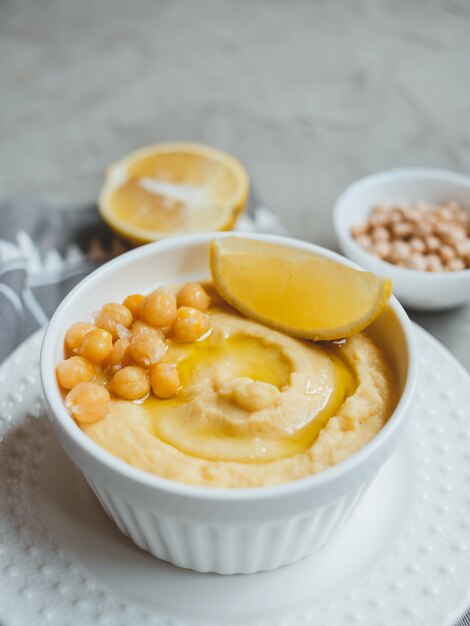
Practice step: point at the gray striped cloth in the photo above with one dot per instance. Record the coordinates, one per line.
(45, 252)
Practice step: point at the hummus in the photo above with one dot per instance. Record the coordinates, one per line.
(256, 407)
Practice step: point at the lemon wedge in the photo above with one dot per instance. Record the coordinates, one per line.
(173, 188)
(297, 292)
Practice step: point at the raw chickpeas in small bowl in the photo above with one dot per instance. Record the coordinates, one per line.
(412, 225)
(419, 236)
(121, 352)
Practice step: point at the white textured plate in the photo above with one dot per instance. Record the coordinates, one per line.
(402, 559)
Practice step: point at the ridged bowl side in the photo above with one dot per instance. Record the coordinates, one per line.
(229, 548)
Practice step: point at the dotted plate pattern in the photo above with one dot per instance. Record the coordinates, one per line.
(424, 578)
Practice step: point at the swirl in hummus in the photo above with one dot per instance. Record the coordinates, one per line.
(256, 407)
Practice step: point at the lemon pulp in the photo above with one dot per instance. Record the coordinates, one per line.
(173, 188)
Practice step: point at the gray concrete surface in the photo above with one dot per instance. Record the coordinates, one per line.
(310, 94)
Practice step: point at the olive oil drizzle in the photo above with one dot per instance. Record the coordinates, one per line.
(258, 359)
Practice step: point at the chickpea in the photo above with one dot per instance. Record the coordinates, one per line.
(119, 313)
(165, 380)
(365, 241)
(190, 324)
(432, 243)
(159, 308)
(141, 328)
(97, 345)
(105, 322)
(357, 231)
(112, 316)
(88, 402)
(446, 253)
(417, 245)
(450, 234)
(75, 370)
(416, 262)
(400, 251)
(459, 235)
(455, 265)
(380, 233)
(462, 217)
(379, 215)
(445, 213)
(193, 295)
(119, 356)
(130, 383)
(147, 349)
(133, 303)
(382, 249)
(463, 249)
(396, 215)
(423, 229)
(401, 230)
(452, 206)
(414, 215)
(75, 334)
(433, 263)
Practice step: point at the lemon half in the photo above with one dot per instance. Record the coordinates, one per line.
(173, 188)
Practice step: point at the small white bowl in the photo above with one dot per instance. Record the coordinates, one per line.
(210, 529)
(419, 290)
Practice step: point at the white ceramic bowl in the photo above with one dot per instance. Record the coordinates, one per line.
(210, 529)
(419, 290)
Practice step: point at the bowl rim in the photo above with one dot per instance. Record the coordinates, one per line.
(344, 236)
(62, 418)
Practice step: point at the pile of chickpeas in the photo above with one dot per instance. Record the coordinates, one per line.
(419, 236)
(121, 352)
